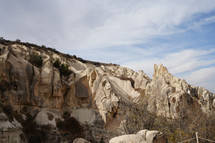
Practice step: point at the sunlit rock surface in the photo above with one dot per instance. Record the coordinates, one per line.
(51, 87)
(143, 136)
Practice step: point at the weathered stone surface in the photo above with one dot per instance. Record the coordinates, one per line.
(168, 95)
(84, 115)
(46, 118)
(96, 94)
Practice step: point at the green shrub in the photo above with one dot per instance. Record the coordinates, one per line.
(57, 64)
(18, 40)
(36, 60)
(63, 68)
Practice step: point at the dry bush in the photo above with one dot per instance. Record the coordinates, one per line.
(176, 130)
(70, 127)
(35, 133)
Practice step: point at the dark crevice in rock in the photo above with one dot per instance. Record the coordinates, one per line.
(65, 96)
(71, 127)
(8, 110)
(81, 91)
(127, 78)
(32, 85)
(52, 81)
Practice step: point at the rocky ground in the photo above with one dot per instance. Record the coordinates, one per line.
(47, 96)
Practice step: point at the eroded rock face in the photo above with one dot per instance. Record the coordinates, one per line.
(49, 85)
(170, 95)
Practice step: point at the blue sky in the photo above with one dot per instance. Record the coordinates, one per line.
(134, 33)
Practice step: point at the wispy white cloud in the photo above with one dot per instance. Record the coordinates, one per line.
(204, 77)
(115, 31)
(201, 22)
(197, 69)
(176, 62)
(99, 23)
(137, 22)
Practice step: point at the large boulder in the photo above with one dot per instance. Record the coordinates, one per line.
(143, 136)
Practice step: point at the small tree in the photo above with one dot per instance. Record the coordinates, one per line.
(63, 68)
(18, 40)
(36, 60)
(57, 64)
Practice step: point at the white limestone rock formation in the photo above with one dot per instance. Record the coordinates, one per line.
(48, 84)
(169, 95)
(143, 136)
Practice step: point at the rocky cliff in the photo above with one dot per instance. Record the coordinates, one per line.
(53, 97)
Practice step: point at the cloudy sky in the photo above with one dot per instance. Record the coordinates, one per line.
(180, 34)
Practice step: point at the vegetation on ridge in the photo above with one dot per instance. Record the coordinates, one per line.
(63, 68)
(36, 60)
(45, 48)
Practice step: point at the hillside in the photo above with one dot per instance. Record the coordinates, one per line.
(48, 96)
